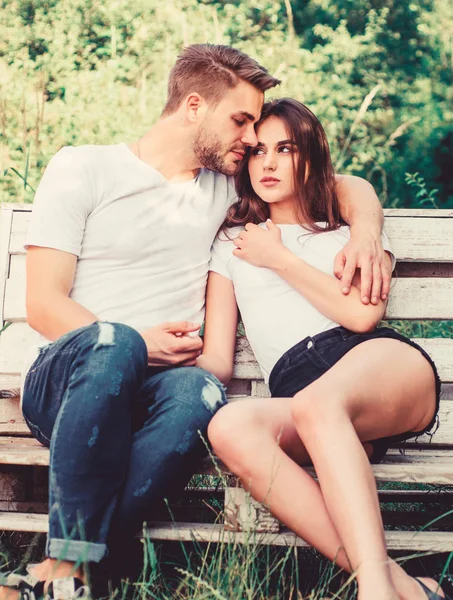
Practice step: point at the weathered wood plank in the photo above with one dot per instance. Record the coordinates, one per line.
(410, 298)
(21, 220)
(11, 419)
(418, 269)
(23, 451)
(23, 506)
(421, 466)
(14, 521)
(15, 341)
(14, 345)
(14, 303)
(12, 422)
(411, 234)
(418, 213)
(420, 239)
(18, 206)
(423, 541)
(396, 540)
(420, 298)
(404, 269)
(244, 513)
(6, 219)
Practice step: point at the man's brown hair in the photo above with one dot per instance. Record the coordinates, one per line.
(210, 70)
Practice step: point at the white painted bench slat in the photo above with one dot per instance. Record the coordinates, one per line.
(410, 467)
(15, 341)
(411, 298)
(425, 541)
(411, 238)
(12, 422)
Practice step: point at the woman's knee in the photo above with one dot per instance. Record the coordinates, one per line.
(316, 407)
(233, 432)
(222, 427)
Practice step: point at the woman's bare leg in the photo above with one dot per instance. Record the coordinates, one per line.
(258, 441)
(380, 388)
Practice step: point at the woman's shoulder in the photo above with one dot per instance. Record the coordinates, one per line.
(222, 249)
(228, 234)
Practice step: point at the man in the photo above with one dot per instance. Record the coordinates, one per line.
(118, 253)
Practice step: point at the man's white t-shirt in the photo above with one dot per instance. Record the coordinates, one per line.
(143, 244)
(275, 315)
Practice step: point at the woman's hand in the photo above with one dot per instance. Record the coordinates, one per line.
(258, 246)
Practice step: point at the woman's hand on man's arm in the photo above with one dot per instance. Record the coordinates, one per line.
(361, 209)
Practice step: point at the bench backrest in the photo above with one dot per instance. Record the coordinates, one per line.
(421, 290)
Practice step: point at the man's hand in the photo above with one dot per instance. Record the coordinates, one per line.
(169, 344)
(259, 247)
(366, 253)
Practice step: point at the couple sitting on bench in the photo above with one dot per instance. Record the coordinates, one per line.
(120, 385)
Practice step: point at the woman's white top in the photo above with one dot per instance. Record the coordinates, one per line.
(275, 315)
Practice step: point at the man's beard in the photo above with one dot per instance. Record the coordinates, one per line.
(210, 153)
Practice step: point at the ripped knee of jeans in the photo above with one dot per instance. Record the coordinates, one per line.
(106, 335)
(213, 395)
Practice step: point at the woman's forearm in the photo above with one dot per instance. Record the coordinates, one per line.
(217, 366)
(323, 292)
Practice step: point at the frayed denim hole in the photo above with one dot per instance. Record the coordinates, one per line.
(213, 396)
(106, 336)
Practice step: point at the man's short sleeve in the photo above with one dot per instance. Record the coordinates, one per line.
(221, 254)
(63, 201)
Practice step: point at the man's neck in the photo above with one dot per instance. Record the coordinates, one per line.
(167, 147)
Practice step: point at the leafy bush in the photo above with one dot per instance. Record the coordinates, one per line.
(377, 73)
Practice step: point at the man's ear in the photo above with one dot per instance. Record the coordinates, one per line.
(196, 107)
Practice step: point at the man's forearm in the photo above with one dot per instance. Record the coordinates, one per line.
(53, 317)
(359, 204)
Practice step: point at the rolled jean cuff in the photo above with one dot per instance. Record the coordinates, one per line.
(75, 550)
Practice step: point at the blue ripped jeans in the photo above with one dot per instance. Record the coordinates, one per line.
(122, 435)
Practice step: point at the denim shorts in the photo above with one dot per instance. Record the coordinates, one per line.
(313, 356)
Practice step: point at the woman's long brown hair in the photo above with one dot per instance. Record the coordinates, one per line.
(314, 177)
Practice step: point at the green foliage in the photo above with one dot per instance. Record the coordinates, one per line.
(377, 73)
(424, 195)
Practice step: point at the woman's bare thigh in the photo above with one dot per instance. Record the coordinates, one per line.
(386, 386)
(273, 415)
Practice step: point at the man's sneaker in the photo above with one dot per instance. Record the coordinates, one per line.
(68, 588)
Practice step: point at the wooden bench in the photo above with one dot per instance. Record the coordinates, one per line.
(423, 243)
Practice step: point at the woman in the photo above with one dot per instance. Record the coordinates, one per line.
(344, 389)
